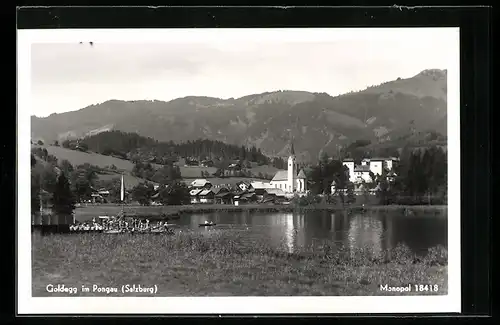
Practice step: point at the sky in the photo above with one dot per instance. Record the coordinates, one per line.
(67, 75)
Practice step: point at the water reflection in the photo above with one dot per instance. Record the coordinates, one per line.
(365, 231)
(379, 231)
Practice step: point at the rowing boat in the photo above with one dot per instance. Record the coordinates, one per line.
(207, 224)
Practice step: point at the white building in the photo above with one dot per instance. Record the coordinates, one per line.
(360, 173)
(291, 180)
(201, 183)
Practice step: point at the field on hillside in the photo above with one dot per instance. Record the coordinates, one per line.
(129, 180)
(195, 171)
(78, 158)
(265, 169)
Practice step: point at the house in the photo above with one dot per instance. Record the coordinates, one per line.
(194, 195)
(334, 189)
(222, 196)
(360, 173)
(201, 183)
(291, 180)
(207, 163)
(206, 196)
(244, 185)
(234, 166)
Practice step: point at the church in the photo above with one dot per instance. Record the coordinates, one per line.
(291, 180)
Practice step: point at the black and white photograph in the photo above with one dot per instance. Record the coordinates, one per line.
(237, 170)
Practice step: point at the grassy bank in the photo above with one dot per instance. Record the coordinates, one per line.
(223, 263)
(173, 211)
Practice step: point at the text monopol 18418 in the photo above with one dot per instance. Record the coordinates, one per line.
(410, 287)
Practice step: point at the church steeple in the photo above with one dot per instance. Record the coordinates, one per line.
(292, 150)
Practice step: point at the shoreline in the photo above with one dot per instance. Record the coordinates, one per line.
(176, 211)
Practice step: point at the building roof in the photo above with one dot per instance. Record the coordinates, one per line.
(223, 194)
(301, 175)
(333, 182)
(199, 182)
(218, 190)
(261, 185)
(281, 175)
(205, 192)
(362, 168)
(348, 160)
(194, 192)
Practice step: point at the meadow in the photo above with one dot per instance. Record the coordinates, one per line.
(225, 263)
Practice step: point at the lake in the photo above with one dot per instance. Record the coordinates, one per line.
(379, 230)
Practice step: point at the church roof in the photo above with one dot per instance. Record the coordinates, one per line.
(301, 174)
(281, 175)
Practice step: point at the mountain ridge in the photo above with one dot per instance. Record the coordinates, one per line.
(317, 120)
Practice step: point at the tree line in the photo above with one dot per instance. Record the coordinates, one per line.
(135, 147)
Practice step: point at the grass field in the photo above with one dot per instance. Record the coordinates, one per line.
(223, 263)
(78, 158)
(128, 180)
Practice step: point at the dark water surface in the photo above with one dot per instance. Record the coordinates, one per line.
(376, 229)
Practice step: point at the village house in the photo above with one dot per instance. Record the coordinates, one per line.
(193, 194)
(222, 196)
(361, 173)
(206, 196)
(244, 185)
(100, 196)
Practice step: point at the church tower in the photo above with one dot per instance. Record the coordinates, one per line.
(291, 170)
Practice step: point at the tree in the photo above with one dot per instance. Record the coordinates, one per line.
(350, 197)
(40, 142)
(83, 179)
(51, 159)
(66, 167)
(63, 202)
(56, 143)
(35, 187)
(143, 192)
(48, 178)
(324, 158)
(177, 193)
